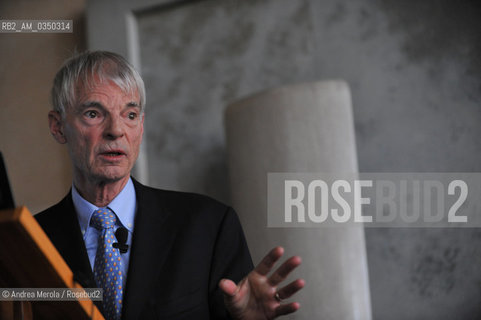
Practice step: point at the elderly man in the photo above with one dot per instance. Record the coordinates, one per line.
(185, 256)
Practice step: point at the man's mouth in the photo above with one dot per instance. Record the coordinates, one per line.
(113, 154)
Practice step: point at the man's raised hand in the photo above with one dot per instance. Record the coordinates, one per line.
(259, 296)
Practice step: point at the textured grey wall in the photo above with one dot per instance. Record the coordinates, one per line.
(413, 68)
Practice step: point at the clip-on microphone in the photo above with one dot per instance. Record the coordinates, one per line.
(121, 235)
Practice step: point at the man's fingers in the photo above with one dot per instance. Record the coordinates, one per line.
(283, 271)
(284, 309)
(228, 287)
(291, 288)
(269, 260)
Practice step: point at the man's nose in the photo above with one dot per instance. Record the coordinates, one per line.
(114, 128)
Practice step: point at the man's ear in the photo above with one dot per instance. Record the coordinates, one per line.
(55, 123)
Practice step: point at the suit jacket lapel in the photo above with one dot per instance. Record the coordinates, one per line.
(62, 227)
(150, 245)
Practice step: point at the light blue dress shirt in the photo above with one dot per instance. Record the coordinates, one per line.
(124, 205)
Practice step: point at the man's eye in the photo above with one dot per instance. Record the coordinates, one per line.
(132, 115)
(91, 114)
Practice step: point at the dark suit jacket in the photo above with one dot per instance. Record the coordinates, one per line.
(183, 244)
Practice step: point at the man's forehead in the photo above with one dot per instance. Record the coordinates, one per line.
(97, 89)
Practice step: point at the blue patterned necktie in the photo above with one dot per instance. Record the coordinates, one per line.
(107, 266)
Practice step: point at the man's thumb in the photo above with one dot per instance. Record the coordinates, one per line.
(228, 287)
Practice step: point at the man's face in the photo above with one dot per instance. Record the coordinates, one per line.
(103, 131)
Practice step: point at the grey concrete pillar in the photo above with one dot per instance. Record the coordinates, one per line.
(301, 128)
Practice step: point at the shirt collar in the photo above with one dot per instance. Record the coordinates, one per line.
(124, 205)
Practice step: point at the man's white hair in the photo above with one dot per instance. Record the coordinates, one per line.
(90, 68)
